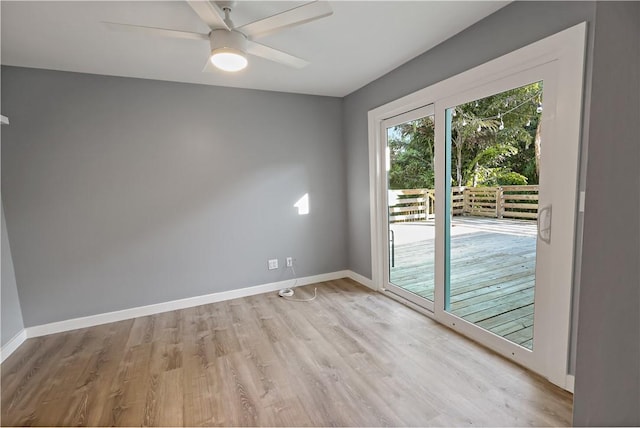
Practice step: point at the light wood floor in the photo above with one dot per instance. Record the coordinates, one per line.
(352, 357)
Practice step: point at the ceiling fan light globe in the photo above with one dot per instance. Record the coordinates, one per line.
(228, 59)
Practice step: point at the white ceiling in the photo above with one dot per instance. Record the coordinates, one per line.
(360, 42)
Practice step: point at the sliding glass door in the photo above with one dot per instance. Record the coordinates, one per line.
(474, 200)
(494, 151)
(506, 178)
(410, 205)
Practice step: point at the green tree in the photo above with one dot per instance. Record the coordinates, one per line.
(500, 152)
(495, 141)
(412, 156)
(471, 135)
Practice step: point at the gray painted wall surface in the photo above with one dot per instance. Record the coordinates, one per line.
(607, 389)
(124, 192)
(510, 28)
(11, 318)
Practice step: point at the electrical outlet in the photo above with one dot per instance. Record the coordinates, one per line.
(289, 261)
(273, 264)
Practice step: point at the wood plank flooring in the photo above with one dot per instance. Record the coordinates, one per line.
(352, 357)
(492, 274)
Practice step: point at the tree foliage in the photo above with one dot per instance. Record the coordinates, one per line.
(411, 147)
(493, 142)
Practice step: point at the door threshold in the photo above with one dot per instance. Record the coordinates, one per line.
(407, 302)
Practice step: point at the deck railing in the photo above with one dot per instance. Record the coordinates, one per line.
(411, 205)
(520, 202)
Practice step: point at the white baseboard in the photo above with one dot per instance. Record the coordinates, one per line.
(361, 279)
(570, 383)
(9, 347)
(189, 302)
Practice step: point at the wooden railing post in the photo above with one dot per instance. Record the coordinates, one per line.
(466, 201)
(431, 203)
(499, 202)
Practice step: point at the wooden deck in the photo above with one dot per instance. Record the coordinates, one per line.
(492, 271)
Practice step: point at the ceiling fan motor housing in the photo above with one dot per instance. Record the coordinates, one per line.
(226, 4)
(228, 40)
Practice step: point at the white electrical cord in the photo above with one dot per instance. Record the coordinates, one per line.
(287, 296)
(295, 276)
(315, 294)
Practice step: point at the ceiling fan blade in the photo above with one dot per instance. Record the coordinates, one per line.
(290, 18)
(154, 31)
(209, 13)
(275, 55)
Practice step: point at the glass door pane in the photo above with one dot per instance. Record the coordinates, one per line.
(493, 149)
(411, 207)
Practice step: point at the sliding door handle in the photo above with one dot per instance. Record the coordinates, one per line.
(544, 224)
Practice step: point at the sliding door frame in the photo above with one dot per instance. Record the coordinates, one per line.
(387, 285)
(558, 186)
(566, 50)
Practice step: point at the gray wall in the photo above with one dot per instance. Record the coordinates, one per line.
(10, 313)
(125, 192)
(11, 318)
(607, 389)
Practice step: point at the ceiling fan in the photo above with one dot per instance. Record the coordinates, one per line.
(230, 44)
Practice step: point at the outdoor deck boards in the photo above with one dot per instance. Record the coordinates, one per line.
(492, 274)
